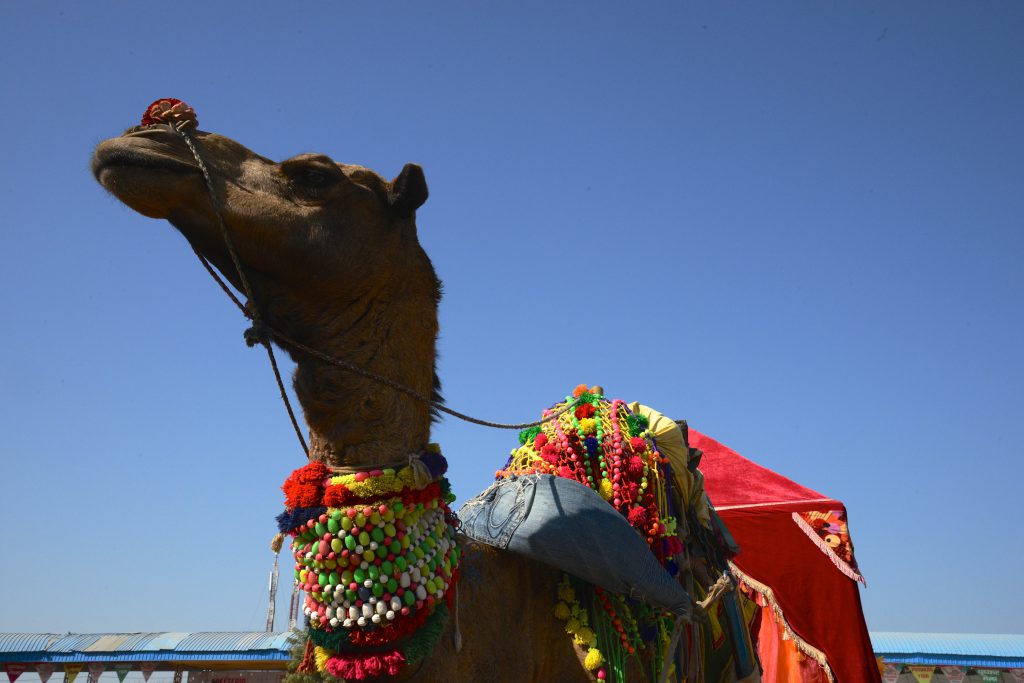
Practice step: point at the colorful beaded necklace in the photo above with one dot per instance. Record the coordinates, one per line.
(603, 445)
(375, 553)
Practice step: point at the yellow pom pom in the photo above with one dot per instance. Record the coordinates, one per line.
(588, 425)
(606, 489)
(594, 659)
(322, 655)
(585, 636)
(566, 593)
(572, 626)
(562, 611)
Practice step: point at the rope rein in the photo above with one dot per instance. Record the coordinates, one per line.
(261, 333)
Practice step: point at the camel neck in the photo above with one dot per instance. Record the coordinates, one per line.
(358, 421)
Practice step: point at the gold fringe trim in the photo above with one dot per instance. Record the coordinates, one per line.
(769, 596)
(839, 562)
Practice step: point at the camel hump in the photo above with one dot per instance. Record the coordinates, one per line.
(567, 525)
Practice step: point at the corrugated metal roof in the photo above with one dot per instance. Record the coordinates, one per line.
(137, 647)
(966, 649)
(228, 641)
(26, 642)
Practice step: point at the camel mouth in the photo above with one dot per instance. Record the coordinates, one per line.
(156, 149)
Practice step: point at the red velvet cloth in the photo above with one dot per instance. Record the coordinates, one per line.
(819, 602)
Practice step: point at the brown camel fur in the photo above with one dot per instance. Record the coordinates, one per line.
(334, 262)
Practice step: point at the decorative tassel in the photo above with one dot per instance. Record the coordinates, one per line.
(276, 542)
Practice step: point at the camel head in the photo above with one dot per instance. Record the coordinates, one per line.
(333, 260)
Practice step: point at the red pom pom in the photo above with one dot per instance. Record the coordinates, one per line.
(637, 516)
(584, 410)
(539, 442)
(303, 488)
(550, 453)
(638, 444)
(172, 111)
(635, 465)
(566, 472)
(337, 495)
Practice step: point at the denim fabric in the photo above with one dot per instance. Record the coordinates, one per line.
(567, 525)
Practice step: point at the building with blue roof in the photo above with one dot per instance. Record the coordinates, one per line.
(207, 657)
(261, 657)
(952, 657)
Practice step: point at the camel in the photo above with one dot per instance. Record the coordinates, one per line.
(333, 260)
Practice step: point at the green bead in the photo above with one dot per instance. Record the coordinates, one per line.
(333, 525)
(377, 534)
(378, 590)
(401, 563)
(350, 542)
(387, 568)
(409, 598)
(359, 575)
(392, 586)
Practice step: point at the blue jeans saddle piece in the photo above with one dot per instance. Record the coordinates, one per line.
(567, 525)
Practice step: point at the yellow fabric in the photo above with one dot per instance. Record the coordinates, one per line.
(671, 445)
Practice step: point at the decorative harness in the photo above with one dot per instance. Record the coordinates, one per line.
(375, 553)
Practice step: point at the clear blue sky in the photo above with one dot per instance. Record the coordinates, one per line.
(797, 225)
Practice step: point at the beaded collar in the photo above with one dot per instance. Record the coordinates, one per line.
(375, 553)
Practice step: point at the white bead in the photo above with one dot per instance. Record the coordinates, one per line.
(375, 618)
(367, 609)
(421, 593)
(396, 604)
(347, 623)
(334, 622)
(404, 580)
(390, 615)
(361, 621)
(368, 583)
(382, 607)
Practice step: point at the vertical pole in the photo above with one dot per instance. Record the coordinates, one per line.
(273, 596)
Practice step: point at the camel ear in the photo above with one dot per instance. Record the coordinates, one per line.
(408, 190)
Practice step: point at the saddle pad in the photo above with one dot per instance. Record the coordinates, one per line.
(567, 525)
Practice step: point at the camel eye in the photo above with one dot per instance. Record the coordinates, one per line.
(311, 178)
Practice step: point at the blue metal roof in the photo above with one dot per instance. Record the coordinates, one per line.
(951, 649)
(144, 647)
